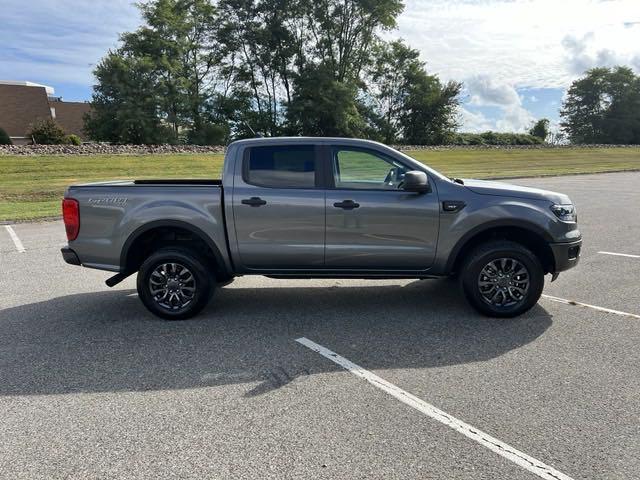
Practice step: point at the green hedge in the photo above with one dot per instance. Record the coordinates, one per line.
(494, 138)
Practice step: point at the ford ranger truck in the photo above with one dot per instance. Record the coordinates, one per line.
(321, 208)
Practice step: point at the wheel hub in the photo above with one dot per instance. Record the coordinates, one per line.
(172, 286)
(504, 282)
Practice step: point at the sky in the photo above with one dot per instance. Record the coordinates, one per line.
(516, 58)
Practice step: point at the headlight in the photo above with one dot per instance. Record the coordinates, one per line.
(566, 212)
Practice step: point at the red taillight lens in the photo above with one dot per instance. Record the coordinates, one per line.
(71, 217)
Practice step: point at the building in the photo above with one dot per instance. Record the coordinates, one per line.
(23, 103)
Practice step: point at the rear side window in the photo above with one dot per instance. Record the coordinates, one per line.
(292, 166)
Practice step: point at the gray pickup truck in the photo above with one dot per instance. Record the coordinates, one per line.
(321, 208)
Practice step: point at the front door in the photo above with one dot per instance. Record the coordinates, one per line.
(372, 224)
(278, 208)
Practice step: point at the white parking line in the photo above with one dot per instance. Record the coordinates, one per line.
(521, 459)
(595, 307)
(620, 254)
(14, 237)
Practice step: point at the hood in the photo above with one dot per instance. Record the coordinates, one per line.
(484, 187)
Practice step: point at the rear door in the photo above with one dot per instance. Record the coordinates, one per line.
(372, 224)
(279, 209)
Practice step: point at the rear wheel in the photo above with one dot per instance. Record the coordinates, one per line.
(502, 279)
(173, 283)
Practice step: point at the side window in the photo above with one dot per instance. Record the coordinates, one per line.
(283, 166)
(366, 170)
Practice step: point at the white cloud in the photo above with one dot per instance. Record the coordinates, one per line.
(474, 122)
(517, 41)
(489, 91)
(486, 91)
(582, 55)
(60, 41)
(498, 47)
(515, 119)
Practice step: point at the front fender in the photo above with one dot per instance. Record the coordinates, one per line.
(482, 215)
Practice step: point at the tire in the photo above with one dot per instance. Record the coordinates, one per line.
(502, 279)
(182, 284)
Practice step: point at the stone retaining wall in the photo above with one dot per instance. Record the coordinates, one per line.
(104, 149)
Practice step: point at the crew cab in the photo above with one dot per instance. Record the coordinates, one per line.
(321, 208)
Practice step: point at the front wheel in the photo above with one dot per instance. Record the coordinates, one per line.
(502, 279)
(173, 283)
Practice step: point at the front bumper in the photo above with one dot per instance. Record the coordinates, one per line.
(70, 256)
(566, 255)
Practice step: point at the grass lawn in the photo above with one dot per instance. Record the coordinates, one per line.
(32, 187)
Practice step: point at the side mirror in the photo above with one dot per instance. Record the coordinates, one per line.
(415, 181)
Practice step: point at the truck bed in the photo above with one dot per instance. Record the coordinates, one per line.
(153, 181)
(114, 213)
(179, 181)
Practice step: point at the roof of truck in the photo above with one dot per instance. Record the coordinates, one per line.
(268, 140)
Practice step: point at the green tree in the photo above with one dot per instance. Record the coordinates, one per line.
(234, 108)
(603, 107)
(622, 119)
(323, 106)
(414, 105)
(388, 84)
(429, 114)
(262, 43)
(221, 70)
(540, 129)
(275, 52)
(344, 32)
(179, 42)
(125, 104)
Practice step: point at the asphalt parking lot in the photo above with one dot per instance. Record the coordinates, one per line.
(93, 386)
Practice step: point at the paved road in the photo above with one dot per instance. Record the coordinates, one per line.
(92, 386)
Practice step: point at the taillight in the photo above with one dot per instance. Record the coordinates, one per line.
(71, 217)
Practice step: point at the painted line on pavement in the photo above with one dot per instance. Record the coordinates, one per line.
(521, 459)
(14, 237)
(586, 305)
(620, 254)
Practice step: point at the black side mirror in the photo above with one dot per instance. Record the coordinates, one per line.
(415, 181)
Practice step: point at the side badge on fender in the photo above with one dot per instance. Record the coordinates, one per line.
(452, 206)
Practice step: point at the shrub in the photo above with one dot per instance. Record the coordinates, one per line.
(47, 132)
(73, 139)
(4, 138)
(467, 139)
(489, 138)
(209, 134)
(495, 138)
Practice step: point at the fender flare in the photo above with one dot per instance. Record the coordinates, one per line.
(138, 232)
(493, 224)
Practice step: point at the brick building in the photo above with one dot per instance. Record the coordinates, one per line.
(23, 103)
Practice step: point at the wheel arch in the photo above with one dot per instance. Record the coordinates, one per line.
(530, 235)
(158, 233)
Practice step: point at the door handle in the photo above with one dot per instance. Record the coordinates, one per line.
(254, 201)
(346, 205)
